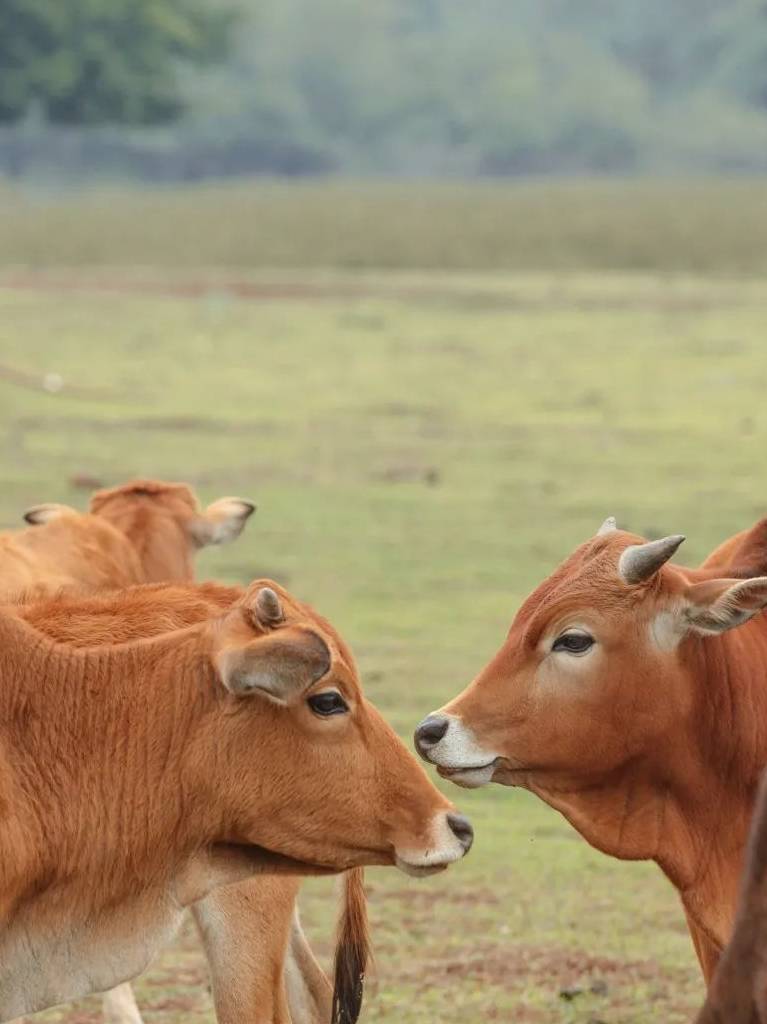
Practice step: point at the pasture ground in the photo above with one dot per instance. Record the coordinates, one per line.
(423, 449)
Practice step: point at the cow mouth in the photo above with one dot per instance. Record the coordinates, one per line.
(420, 870)
(447, 771)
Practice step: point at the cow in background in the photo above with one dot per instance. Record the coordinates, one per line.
(144, 531)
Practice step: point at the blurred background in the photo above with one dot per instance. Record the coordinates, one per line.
(439, 285)
(187, 90)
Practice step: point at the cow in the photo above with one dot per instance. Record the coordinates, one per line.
(137, 778)
(261, 966)
(630, 695)
(143, 531)
(738, 992)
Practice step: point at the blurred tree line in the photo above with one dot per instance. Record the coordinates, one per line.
(187, 89)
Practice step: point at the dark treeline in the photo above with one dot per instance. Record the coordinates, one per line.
(416, 87)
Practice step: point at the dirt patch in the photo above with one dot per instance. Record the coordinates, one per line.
(550, 967)
(222, 287)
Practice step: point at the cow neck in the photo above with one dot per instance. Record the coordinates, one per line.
(715, 796)
(687, 804)
(106, 731)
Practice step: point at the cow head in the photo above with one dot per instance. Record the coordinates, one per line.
(162, 521)
(592, 679)
(314, 771)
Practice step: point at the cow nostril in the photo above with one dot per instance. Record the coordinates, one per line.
(430, 732)
(462, 830)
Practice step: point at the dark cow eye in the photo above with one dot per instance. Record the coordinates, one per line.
(574, 642)
(328, 703)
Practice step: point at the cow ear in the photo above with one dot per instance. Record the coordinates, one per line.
(718, 605)
(221, 522)
(280, 665)
(38, 515)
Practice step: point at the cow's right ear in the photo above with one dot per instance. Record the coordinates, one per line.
(718, 605)
(37, 515)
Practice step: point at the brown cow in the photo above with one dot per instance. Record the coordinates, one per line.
(250, 931)
(625, 697)
(135, 779)
(141, 532)
(738, 993)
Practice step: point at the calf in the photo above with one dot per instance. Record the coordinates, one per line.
(261, 965)
(135, 779)
(631, 695)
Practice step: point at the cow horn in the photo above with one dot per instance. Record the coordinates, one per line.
(267, 607)
(641, 561)
(608, 526)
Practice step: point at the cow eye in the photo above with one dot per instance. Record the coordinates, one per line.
(328, 703)
(574, 641)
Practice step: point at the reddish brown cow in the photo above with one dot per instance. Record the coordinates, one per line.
(141, 532)
(631, 695)
(135, 779)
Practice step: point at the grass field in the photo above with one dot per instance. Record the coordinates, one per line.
(707, 226)
(423, 449)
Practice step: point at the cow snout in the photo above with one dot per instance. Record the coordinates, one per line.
(429, 733)
(462, 829)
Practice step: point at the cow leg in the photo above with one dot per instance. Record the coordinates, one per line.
(245, 930)
(310, 994)
(119, 1005)
(708, 952)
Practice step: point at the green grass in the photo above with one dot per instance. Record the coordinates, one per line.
(422, 454)
(708, 226)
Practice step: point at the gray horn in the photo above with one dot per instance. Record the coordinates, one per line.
(641, 561)
(267, 607)
(608, 526)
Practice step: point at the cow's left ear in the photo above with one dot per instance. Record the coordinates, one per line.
(718, 605)
(37, 515)
(221, 522)
(280, 665)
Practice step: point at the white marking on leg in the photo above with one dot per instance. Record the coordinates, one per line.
(120, 1007)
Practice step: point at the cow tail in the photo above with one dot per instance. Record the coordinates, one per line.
(352, 950)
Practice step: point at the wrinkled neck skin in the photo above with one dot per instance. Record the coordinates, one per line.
(688, 804)
(108, 822)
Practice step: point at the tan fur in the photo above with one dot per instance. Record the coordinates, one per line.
(132, 783)
(139, 532)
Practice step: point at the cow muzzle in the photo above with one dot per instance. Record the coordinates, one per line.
(450, 839)
(443, 740)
